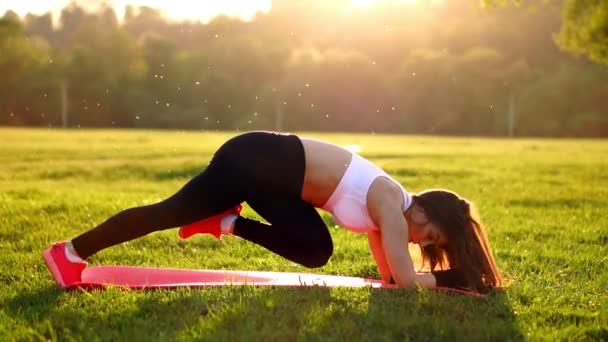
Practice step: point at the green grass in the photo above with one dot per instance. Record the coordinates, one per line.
(545, 203)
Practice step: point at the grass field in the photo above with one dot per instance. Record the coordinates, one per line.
(545, 203)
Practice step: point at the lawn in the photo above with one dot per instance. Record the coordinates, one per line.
(544, 201)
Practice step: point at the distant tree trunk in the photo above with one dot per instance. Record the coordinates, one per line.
(64, 104)
(512, 115)
(280, 116)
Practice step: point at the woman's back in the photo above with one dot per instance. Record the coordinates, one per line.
(326, 163)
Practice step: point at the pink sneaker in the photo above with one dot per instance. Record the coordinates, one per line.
(65, 272)
(210, 225)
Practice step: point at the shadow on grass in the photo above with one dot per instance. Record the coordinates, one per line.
(361, 315)
(249, 313)
(220, 313)
(429, 316)
(265, 314)
(35, 303)
(110, 315)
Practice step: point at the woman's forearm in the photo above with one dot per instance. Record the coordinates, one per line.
(426, 280)
(375, 246)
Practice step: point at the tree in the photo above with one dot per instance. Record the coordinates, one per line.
(584, 27)
(39, 25)
(104, 75)
(26, 68)
(440, 67)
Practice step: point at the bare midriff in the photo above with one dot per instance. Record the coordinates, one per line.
(325, 165)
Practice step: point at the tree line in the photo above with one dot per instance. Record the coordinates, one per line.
(426, 68)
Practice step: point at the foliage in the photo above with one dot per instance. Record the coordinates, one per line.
(395, 67)
(584, 27)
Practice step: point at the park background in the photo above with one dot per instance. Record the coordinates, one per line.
(500, 101)
(417, 67)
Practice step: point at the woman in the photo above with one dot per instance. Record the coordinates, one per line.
(284, 177)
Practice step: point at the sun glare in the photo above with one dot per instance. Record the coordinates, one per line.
(362, 3)
(354, 148)
(205, 10)
(367, 3)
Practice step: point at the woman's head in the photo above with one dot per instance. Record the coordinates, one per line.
(450, 235)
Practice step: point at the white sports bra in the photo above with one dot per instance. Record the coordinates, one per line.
(348, 203)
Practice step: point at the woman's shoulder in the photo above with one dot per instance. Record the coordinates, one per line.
(387, 190)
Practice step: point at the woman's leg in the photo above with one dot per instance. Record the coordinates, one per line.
(211, 192)
(296, 230)
(246, 164)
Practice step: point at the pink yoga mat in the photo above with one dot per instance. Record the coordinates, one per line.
(140, 278)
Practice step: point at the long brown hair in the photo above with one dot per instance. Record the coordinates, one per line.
(467, 246)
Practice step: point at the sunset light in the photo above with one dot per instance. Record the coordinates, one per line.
(346, 153)
(362, 3)
(203, 10)
(368, 3)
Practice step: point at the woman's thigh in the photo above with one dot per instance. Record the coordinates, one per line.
(293, 217)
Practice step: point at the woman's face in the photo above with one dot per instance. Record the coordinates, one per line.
(422, 231)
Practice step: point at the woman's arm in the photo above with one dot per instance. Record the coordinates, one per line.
(385, 203)
(394, 242)
(375, 245)
(389, 245)
(374, 239)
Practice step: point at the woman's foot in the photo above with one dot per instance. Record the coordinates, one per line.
(66, 272)
(211, 225)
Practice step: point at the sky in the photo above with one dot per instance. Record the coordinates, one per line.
(202, 10)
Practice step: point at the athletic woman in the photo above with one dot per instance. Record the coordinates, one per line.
(284, 178)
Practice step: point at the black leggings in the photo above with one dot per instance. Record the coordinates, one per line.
(266, 170)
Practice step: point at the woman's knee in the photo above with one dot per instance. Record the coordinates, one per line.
(319, 255)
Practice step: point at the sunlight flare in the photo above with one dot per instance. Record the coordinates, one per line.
(362, 3)
(354, 148)
(368, 3)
